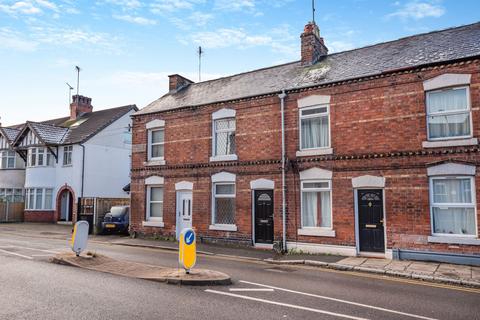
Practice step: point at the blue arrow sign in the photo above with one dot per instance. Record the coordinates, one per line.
(189, 237)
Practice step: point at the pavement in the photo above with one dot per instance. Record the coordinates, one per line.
(33, 288)
(425, 271)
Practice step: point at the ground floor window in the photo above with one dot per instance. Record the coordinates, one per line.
(223, 203)
(452, 204)
(316, 204)
(154, 203)
(11, 195)
(39, 199)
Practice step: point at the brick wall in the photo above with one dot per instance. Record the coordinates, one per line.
(377, 128)
(39, 216)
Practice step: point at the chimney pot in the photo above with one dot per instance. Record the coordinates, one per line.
(80, 105)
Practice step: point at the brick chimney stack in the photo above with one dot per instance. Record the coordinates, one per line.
(313, 47)
(79, 106)
(177, 82)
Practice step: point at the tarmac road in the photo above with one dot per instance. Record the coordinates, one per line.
(33, 288)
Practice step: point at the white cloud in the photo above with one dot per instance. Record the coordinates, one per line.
(239, 5)
(135, 19)
(200, 19)
(47, 4)
(163, 6)
(418, 10)
(125, 4)
(20, 7)
(11, 39)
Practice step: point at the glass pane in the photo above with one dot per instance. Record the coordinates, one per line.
(315, 185)
(314, 111)
(157, 151)
(315, 132)
(156, 194)
(225, 189)
(225, 143)
(156, 210)
(39, 196)
(157, 136)
(225, 124)
(48, 199)
(459, 221)
(224, 211)
(316, 209)
(454, 125)
(448, 100)
(452, 191)
(31, 198)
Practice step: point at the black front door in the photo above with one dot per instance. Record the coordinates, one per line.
(370, 220)
(263, 216)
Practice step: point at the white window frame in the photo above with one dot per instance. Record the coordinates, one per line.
(32, 206)
(456, 205)
(148, 218)
(47, 157)
(67, 150)
(446, 113)
(223, 114)
(303, 189)
(4, 156)
(300, 117)
(151, 144)
(223, 226)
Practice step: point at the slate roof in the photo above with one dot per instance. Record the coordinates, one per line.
(10, 133)
(63, 131)
(423, 49)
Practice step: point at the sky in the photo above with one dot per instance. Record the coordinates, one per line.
(127, 48)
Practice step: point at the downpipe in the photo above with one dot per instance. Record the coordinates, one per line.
(282, 97)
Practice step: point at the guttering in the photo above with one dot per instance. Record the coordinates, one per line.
(282, 97)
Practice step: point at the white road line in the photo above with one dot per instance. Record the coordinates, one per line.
(34, 249)
(42, 255)
(251, 290)
(340, 300)
(16, 254)
(341, 315)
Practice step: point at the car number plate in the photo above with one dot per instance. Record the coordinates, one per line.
(110, 225)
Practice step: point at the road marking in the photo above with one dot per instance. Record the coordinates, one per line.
(340, 300)
(251, 289)
(293, 306)
(16, 254)
(35, 249)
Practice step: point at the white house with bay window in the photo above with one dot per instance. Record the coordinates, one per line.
(86, 155)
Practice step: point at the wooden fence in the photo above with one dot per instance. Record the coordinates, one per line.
(11, 211)
(96, 208)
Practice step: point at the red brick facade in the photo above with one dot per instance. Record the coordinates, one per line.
(378, 125)
(46, 216)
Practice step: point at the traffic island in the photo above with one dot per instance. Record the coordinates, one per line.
(101, 263)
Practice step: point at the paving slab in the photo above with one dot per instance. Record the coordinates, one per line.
(398, 265)
(375, 263)
(352, 261)
(422, 268)
(106, 264)
(476, 274)
(454, 271)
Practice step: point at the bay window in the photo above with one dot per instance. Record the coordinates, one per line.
(7, 159)
(449, 113)
(452, 205)
(39, 199)
(39, 157)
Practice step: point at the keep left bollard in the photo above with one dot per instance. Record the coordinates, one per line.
(187, 253)
(79, 240)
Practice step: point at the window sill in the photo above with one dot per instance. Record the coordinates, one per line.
(155, 163)
(223, 227)
(230, 157)
(314, 152)
(46, 210)
(450, 143)
(67, 165)
(316, 232)
(454, 240)
(157, 224)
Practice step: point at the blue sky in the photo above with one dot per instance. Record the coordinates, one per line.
(126, 48)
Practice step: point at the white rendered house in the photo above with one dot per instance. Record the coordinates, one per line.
(12, 167)
(85, 155)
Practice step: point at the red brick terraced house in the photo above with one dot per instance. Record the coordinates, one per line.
(371, 151)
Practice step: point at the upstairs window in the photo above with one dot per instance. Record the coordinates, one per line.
(39, 157)
(156, 144)
(224, 137)
(67, 155)
(7, 160)
(452, 204)
(314, 127)
(449, 113)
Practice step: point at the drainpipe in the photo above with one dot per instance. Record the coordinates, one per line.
(83, 169)
(282, 97)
